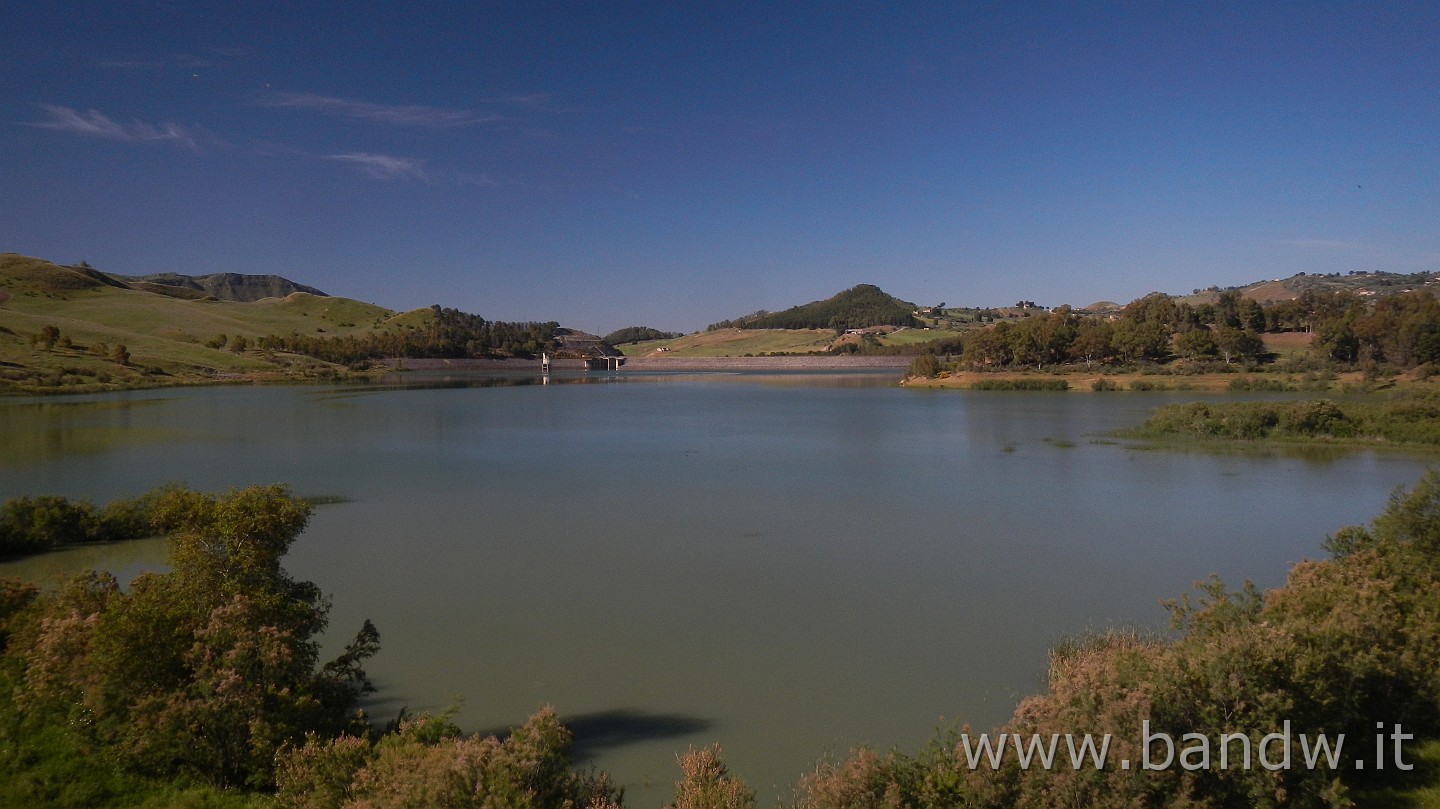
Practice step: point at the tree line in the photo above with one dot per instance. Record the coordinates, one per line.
(1400, 331)
(637, 334)
(447, 333)
(45, 522)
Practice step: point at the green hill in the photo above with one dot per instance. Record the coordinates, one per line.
(167, 339)
(859, 307)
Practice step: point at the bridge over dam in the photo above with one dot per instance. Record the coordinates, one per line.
(804, 362)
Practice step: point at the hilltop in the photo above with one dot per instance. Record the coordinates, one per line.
(859, 307)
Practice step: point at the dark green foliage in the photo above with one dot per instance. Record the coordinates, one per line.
(637, 334)
(34, 524)
(856, 308)
(199, 674)
(30, 524)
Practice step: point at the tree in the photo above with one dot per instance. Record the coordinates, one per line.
(991, 346)
(1336, 340)
(1137, 341)
(1227, 309)
(708, 784)
(205, 670)
(120, 354)
(1251, 315)
(1157, 307)
(1196, 343)
(29, 524)
(1092, 342)
(925, 365)
(1238, 344)
(49, 335)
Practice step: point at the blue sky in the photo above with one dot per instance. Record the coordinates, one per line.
(675, 164)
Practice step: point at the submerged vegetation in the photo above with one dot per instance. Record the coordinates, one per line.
(203, 687)
(1407, 419)
(1027, 383)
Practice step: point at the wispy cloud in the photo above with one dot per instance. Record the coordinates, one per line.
(396, 114)
(98, 125)
(1322, 244)
(384, 167)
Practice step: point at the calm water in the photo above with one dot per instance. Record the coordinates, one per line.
(785, 564)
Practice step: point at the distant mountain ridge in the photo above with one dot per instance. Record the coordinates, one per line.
(225, 286)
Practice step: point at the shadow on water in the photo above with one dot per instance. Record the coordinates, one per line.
(606, 730)
(601, 731)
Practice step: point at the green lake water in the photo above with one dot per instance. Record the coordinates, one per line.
(786, 564)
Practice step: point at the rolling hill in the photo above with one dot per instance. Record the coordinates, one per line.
(167, 338)
(225, 286)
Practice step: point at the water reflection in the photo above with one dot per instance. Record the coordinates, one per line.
(124, 559)
(36, 430)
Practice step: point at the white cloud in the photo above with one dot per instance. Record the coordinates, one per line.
(384, 167)
(96, 124)
(400, 115)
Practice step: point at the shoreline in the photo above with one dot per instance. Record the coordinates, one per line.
(1084, 381)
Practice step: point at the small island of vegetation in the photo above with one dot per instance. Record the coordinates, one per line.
(1409, 419)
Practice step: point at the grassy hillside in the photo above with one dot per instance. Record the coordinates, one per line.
(166, 337)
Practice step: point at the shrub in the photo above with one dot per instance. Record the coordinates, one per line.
(925, 365)
(1027, 384)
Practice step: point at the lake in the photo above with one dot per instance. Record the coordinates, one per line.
(786, 564)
